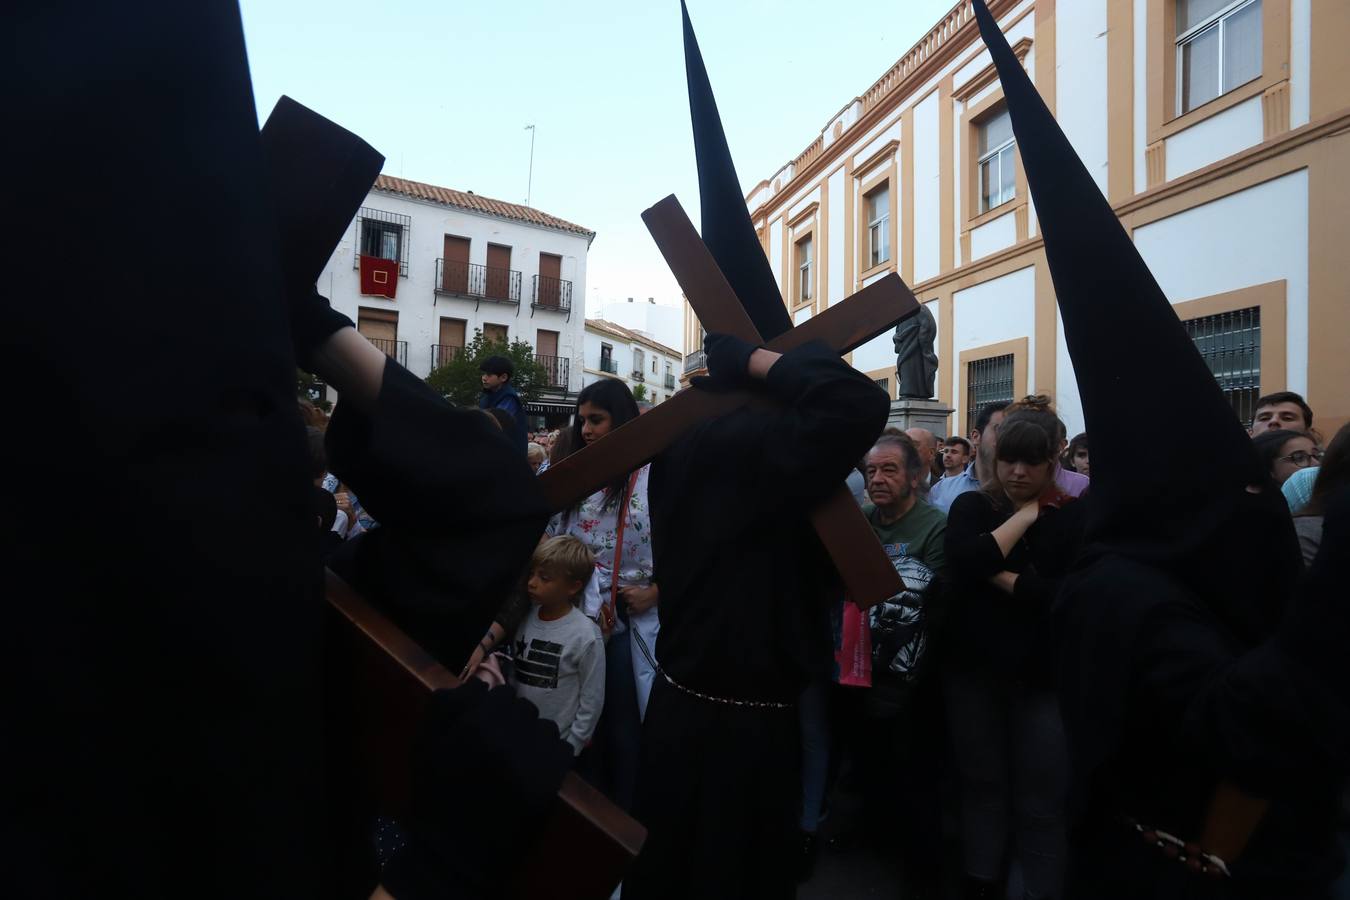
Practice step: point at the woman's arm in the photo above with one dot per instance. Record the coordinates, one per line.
(1010, 532)
(352, 365)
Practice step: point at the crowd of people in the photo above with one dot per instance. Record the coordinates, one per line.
(950, 734)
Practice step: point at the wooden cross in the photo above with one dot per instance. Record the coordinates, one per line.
(868, 574)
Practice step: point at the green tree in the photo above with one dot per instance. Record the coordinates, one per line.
(460, 380)
(640, 393)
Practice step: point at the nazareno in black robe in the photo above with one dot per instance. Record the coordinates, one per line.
(1192, 661)
(745, 589)
(162, 648)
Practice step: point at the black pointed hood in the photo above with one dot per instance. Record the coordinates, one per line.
(1130, 352)
(725, 221)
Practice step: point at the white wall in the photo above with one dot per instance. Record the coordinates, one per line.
(878, 353)
(926, 174)
(1222, 134)
(1140, 95)
(1080, 81)
(420, 309)
(623, 354)
(1300, 61)
(834, 291)
(1068, 401)
(1252, 237)
(1001, 309)
(776, 251)
(993, 236)
(664, 323)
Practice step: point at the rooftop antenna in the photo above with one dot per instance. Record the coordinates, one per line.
(530, 183)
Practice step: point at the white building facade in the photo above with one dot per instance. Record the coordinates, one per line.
(466, 263)
(1219, 130)
(664, 323)
(639, 361)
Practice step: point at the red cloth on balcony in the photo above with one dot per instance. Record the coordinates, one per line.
(379, 277)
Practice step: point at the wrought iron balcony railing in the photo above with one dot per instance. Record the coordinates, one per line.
(459, 279)
(398, 350)
(443, 354)
(552, 293)
(557, 368)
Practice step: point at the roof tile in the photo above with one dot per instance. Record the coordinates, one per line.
(477, 203)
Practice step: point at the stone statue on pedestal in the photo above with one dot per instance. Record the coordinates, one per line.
(916, 363)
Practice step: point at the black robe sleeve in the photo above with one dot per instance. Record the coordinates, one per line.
(796, 454)
(459, 512)
(972, 552)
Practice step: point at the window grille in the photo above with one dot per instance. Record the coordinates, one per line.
(1230, 343)
(382, 234)
(987, 381)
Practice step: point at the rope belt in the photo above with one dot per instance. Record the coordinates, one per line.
(1188, 853)
(727, 701)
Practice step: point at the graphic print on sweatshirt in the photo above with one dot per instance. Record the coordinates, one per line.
(896, 550)
(537, 663)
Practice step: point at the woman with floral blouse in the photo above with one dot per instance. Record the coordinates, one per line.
(624, 603)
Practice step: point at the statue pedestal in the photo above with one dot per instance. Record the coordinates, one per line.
(912, 413)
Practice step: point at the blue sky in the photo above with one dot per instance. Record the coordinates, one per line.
(446, 89)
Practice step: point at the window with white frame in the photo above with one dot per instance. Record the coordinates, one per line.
(1218, 48)
(804, 269)
(878, 204)
(997, 168)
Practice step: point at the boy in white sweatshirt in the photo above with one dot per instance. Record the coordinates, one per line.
(559, 653)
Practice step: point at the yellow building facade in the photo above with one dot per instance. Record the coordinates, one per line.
(1217, 129)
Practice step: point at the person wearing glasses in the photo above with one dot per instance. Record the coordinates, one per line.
(1285, 452)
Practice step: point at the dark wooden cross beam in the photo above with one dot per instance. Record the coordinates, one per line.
(868, 575)
(387, 679)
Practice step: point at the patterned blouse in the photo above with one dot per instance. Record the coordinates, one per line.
(597, 528)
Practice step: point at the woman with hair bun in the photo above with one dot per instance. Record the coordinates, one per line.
(1007, 544)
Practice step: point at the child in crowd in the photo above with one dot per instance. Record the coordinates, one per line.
(559, 653)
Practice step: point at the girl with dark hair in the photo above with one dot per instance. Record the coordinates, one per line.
(1284, 452)
(615, 523)
(1006, 545)
(1038, 408)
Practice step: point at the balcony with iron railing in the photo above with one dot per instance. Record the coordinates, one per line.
(396, 350)
(460, 279)
(552, 294)
(695, 361)
(638, 376)
(556, 369)
(670, 381)
(444, 354)
(607, 364)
